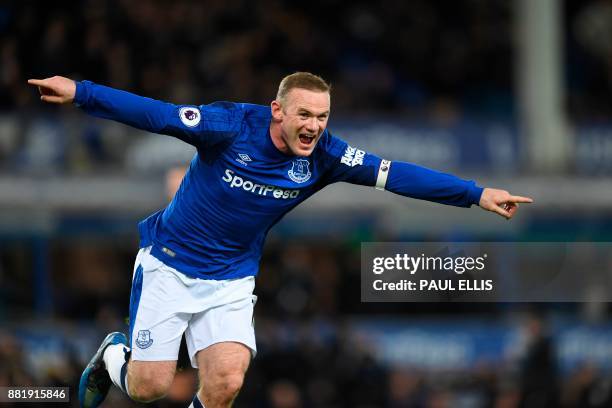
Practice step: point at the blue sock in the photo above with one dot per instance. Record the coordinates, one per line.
(124, 378)
(196, 403)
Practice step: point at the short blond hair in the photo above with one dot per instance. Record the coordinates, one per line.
(301, 80)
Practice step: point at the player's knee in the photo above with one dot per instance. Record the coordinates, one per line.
(225, 387)
(148, 387)
(148, 391)
(231, 384)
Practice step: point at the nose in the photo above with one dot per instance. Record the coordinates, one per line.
(312, 125)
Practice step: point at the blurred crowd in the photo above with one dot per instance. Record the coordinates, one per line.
(340, 374)
(416, 58)
(589, 59)
(309, 351)
(389, 57)
(431, 61)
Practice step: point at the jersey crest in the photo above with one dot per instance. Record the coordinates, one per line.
(144, 339)
(300, 171)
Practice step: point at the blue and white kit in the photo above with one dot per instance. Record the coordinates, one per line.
(237, 187)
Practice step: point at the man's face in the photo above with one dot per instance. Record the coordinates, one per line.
(303, 118)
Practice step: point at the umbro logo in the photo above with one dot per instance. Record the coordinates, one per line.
(243, 159)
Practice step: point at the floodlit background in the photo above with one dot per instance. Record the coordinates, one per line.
(514, 94)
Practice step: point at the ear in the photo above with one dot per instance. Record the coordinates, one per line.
(277, 110)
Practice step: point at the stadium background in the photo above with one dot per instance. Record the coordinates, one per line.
(515, 94)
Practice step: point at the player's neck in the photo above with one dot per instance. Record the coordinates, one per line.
(277, 138)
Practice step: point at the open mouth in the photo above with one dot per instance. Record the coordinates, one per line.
(306, 139)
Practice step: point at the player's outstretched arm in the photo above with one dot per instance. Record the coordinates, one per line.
(410, 180)
(56, 89)
(201, 126)
(501, 202)
(109, 103)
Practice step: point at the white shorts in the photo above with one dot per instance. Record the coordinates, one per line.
(165, 303)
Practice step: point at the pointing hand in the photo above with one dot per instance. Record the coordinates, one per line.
(501, 202)
(56, 89)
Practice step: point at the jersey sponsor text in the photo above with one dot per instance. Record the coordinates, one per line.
(352, 157)
(235, 180)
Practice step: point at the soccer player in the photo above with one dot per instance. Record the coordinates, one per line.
(195, 271)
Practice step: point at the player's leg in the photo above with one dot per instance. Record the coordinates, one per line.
(156, 328)
(149, 380)
(155, 331)
(221, 342)
(222, 367)
(95, 380)
(143, 381)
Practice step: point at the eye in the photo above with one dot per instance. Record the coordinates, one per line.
(303, 115)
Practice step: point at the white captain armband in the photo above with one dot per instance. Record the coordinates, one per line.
(383, 173)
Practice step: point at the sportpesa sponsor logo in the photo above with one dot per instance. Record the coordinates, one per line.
(265, 190)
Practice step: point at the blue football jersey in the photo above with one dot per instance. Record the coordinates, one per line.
(239, 184)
